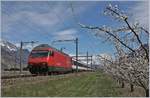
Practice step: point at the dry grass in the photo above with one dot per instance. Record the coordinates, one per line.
(138, 91)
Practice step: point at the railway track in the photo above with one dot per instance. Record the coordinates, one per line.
(12, 81)
(9, 81)
(17, 76)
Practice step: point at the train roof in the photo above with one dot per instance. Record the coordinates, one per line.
(46, 47)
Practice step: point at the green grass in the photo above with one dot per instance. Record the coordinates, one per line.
(91, 84)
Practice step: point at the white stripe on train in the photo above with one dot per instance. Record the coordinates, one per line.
(80, 68)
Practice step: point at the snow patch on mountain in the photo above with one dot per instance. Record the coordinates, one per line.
(8, 45)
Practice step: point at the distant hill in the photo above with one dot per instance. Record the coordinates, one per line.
(10, 56)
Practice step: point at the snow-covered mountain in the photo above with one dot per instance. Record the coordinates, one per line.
(10, 55)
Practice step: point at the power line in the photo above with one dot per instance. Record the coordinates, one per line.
(76, 20)
(73, 13)
(58, 16)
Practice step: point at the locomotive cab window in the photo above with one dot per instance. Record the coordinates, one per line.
(39, 54)
(51, 53)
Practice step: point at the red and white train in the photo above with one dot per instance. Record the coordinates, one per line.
(45, 59)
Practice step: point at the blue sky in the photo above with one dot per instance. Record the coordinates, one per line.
(47, 21)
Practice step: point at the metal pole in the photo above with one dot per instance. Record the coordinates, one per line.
(32, 42)
(76, 54)
(21, 44)
(61, 49)
(91, 61)
(15, 54)
(87, 57)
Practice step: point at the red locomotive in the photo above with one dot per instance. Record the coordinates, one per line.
(46, 59)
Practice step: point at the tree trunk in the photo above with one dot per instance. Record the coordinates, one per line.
(119, 82)
(147, 92)
(122, 85)
(131, 87)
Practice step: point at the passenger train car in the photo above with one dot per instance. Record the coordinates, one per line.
(45, 59)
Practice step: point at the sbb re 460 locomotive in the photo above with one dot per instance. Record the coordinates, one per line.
(45, 59)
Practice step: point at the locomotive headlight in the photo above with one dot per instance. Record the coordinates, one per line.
(44, 63)
(30, 63)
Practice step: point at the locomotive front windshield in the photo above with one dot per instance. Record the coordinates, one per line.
(40, 53)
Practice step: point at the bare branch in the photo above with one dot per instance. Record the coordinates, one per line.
(145, 30)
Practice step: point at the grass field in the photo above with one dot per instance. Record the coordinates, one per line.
(89, 84)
